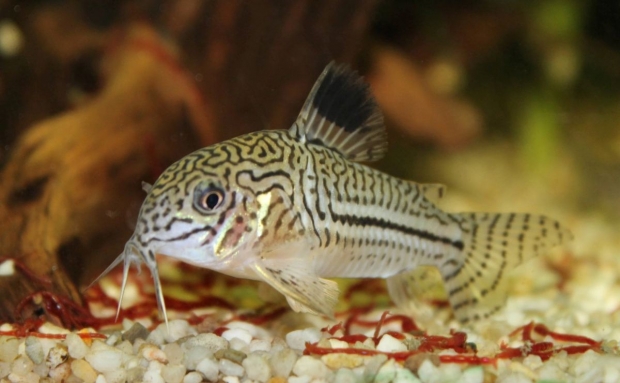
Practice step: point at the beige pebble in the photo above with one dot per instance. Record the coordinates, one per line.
(83, 370)
(340, 360)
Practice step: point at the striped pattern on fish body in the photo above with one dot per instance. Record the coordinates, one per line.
(294, 207)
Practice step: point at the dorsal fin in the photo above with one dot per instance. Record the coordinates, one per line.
(340, 113)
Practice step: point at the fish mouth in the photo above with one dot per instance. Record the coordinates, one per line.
(133, 253)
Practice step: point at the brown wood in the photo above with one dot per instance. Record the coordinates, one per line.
(70, 188)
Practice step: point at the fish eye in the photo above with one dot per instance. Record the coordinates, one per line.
(208, 199)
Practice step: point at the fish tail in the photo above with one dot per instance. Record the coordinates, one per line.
(493, 244)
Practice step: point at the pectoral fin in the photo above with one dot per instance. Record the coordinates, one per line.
(304, 290)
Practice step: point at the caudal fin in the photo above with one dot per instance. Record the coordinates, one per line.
(493, 244)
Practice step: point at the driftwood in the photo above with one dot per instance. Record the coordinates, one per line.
(71, 180)
(71, 185)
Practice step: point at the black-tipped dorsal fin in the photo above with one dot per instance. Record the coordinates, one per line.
(340, 113)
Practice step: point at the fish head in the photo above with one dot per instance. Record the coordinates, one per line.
(195, 212)
(197, 215)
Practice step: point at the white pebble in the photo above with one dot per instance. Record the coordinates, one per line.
(101, 379)
(151, 353)
(238, 333)
(404, 375)
(257, 368)
(472, 375)
(126, 347)
(230, 379)
(104, 358)
(34, 350)
(210, 341)
(209, 369)
(196, 354)
(76, 346)
(239, 345)
(386, 373)
(194, 377)
(230, 368)
(299, 379)
(83, 370)
(297, 339)
(22, 365)
(173, 373)
(30, 377)
(282, 362)
(179, 328)
(259, 345)
(345, 375)
(253, 330)
(116, 376)
(337, 343)
(428, 372)
(5, 368)
(173, 352)
(8, 348)
(309, 366)
(153, 376)
(390, 344)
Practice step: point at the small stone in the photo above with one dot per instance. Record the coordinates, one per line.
(29, 377)
(259, 345)
(152, 376)
(238, 333)
(75, 346)
(173, 352)
(173, 373)
(5, 368)
(297, 339)
(257, 368)
(151, 352)
(136, 331)
(337, 343)
(57, 355)
(386, 373)
(126, 347)
(210, 341)
(230, 368)
(177, 329)
(41, 369)
(282, 362)
(34, 350)
(238, 345)
(8, 348)
(114, 338)
(230, 379)
(194, 377)
(135, 374)
(209, 369)
(116, 376)
(83, 370)
(302, 379)
(194, 355)
(472, 375)
(104, 358)
(232, 355)
(414, 362)
(345, 375)
(427, 371)
(341, 360)
(22, 365)
(390, 344)
(309, 366)
(61, 372)
(403, 375)
(373, 365)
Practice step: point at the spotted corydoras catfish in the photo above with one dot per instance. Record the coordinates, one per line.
(292, 207)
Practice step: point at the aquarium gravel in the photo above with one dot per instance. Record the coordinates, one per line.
(578, 307)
